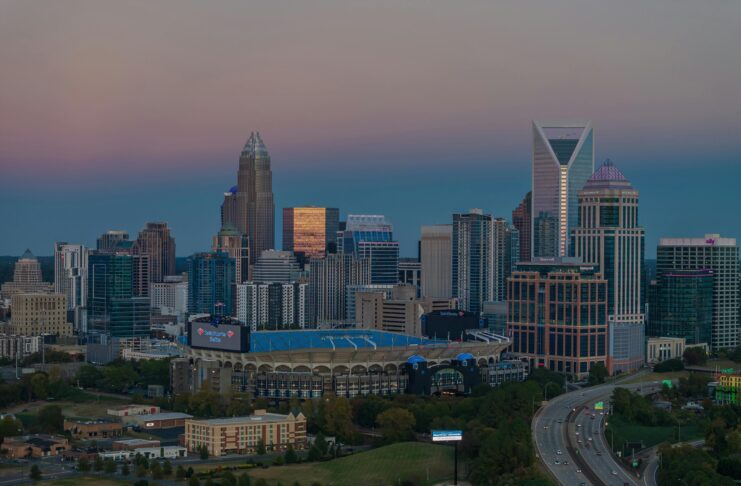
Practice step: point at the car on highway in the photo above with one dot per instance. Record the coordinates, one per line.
(556, 462)
(578, 471)
(614, 472)
(589, 439)
(599, 453)
(559, 452)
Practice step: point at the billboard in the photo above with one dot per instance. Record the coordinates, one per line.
(222, 337)
(446, 435)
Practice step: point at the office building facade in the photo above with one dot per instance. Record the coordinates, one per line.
(276, 266)
(681, 306)
(329, 280)
(157, 243)
(370, 237)
(26, 277)
(36, 314)
(505, 254)
(522, 220)
(563, 161)
(309, 232)
(436, 260)
(472, 260)
(237, 246)
(70, 279)
(211, 283)
(111, 240)
(608, 235)
(720, 255)
(272, 306)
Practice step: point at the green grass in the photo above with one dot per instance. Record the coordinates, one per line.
(378, 467)
(83, 480)
(650, 435)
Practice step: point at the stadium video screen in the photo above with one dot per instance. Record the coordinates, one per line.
(224, 337)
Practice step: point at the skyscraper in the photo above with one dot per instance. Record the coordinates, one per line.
(608, 235)
(110, 240)
(70, 279)
(308, 231)
(563, 160)
(272, 306)
(210, 283)
(506, 253)
(522, 220)
(156, 242)
(473, 258)
(26, 277)
(234, 243)
(436, 260)
(329, 280)
(681, 305)
(720, 255)
(276, 266)
(114, 309)
(370, 236)
(249, 206)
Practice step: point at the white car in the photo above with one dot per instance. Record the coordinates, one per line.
(614, 473)
(578, 471)
(559, 452)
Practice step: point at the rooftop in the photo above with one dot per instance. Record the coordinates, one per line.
(607, 176)
(163, 416)
(269, 341)
(257, 417)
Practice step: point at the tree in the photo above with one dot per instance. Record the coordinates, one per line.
(141, 471)
(97, 463)
(244, 480)
(39, 385)
(88, 376)
(167, 467)
(209, 482)
(320, 442)
(189, 472)
(109, 466)
(83, 465)
(9, 427)
(278, 461)
(261, 482)
(695, 356)
(291, 457)
(261, 447)
(669, 365)
(180, 473)
(597, 374)
(397, 424)
(156, 470)
(228, 479)
(125, 471)
(314, 454)
(203, 452)
(193, 481)
(50, 419)
(35, 473)
(337, 418)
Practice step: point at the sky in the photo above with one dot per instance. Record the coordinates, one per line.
(115, 113)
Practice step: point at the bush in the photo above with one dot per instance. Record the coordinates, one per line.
(669, 365)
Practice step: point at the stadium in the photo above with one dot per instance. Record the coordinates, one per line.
(346, 362)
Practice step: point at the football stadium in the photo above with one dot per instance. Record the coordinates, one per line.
(346, 362)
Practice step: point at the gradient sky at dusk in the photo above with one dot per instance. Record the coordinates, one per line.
(117, 113)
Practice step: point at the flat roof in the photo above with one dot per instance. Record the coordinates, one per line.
(163, 416)
(268, 417)
(135, 441)
(269, 341)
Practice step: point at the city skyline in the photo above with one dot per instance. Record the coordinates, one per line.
(133, 130)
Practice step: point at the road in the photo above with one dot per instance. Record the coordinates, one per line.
(555, 428)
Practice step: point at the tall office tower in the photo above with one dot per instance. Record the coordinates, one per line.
(330, 278)
(210, 283)
(250, 208)
(410, 273)
(113, 307)
(563, 160)
(272, 306)
(234, 243)
(309, 231)
(557, 315)
(473, 260)
(170, 297)
(370, 236)
(70, 279)
(36, 314)
(681, 305)
(110, 240)
(608, 235)
(522, 220)
(276, 266)
(436, 259)
(709, 253)
(506, 253)
(26, 277)
(352, 291)
(155, 240)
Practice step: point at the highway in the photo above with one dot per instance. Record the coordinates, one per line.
(555, 429)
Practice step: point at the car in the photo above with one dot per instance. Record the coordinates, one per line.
(578, 426)
(565, 463)
(579, 441)
(545, 427)
(614, 472)
(578, 471)
(599, 453)
(559, 452)
(589, 439)
(556, 462)
(577, 432)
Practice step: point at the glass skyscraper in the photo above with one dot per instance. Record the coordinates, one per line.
(210, 283)
(310, 231)
(473, 260)
(681, 305)
(371, 237)
(563, 160)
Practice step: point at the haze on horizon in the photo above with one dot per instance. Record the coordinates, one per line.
(117, 113)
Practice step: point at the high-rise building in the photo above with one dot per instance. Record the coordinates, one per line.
(310, 231)
(329, 280)
(522, 220)
(114, 309)
(506, 254)
(608, 235)
(410, 273)
(36, 314)
(681, 306)
(237, 245)
(210, 283)
(473, 258)
(110, 240)
(26, 277)
(276, 266)
(156, 242)
(720, 255)
(170, 297)
(563, 160)
(272, 306)
(436, 260)
(557, 315)
(249, 206)
(371, 237)
(70, 279)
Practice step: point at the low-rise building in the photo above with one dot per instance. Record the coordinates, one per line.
(165, 452)
(164, 420)
(663, 348)
(93, 429)
(38, 445)
(243, 435)
(133, 444)
(133, 409)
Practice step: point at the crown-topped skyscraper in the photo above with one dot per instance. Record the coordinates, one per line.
(249, 206)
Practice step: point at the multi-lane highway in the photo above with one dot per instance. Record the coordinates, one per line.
(562, 430)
